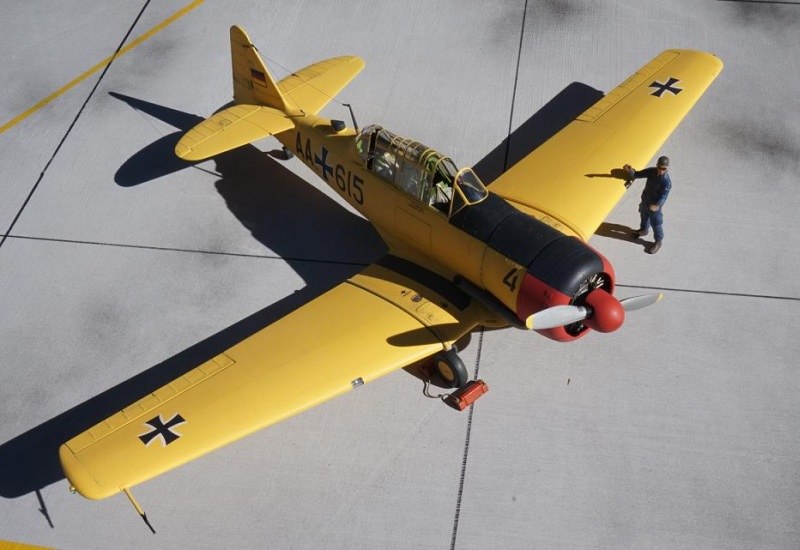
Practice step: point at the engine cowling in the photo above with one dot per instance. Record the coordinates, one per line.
(530, 266)
(570, 272)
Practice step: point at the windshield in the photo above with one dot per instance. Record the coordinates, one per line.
(471, 186)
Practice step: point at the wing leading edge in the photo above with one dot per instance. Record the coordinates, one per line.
(567, 181)
(378, 321)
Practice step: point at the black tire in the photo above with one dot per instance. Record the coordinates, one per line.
(451, 368)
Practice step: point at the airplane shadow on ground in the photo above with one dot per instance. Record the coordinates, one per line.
(545, 123)
(284, 212)
(266, 198)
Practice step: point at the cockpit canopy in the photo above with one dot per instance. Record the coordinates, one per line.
(419, 170)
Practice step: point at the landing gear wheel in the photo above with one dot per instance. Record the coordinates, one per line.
(450, 367)
(287, 153)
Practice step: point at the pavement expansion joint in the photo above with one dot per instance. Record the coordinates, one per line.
(712, 292)
(190, 251)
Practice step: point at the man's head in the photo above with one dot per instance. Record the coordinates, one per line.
(662, 164)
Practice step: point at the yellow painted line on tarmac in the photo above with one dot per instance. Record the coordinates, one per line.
(161, 26)
(9, 545)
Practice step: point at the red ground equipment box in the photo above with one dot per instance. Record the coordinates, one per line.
(467, 395)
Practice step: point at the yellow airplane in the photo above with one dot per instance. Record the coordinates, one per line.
(460, 256)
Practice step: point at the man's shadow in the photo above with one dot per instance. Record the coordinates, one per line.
(621, 233)
(287, 215)
(616, 230)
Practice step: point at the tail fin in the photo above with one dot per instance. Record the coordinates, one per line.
(261, 109)
(252, 82)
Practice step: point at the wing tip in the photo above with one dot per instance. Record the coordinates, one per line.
(79, 477)
(183, 151)
(713, 60)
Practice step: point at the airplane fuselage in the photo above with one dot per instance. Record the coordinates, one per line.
(522, 263)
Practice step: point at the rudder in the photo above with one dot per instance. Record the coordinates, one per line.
(252, 82)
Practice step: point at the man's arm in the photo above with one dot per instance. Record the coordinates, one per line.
(662, 197)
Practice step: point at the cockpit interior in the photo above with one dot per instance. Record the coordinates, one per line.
(419, 171)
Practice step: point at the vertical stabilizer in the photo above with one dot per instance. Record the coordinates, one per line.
(252, 82)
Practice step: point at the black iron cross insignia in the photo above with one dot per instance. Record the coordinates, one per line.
(323, 163)
(668, 87)
(162, 429)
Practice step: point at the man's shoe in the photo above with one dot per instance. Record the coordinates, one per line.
(639, 233)
(655, 248)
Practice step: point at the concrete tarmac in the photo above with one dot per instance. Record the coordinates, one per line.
(121, 267)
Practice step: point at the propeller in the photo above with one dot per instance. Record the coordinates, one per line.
(558, 316)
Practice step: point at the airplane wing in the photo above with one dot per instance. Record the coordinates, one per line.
(313, 87)
(231, 128)
(567, 182)
(389, 316)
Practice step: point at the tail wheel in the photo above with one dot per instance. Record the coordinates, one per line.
(451, 368)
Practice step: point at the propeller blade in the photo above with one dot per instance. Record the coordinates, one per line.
(638, 302)
(556, 316)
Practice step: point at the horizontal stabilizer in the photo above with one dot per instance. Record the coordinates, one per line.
(313, 87)
(231, 128)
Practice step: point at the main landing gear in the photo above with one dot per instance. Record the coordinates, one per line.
(449, 369)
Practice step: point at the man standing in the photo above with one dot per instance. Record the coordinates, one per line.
(655, 193)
